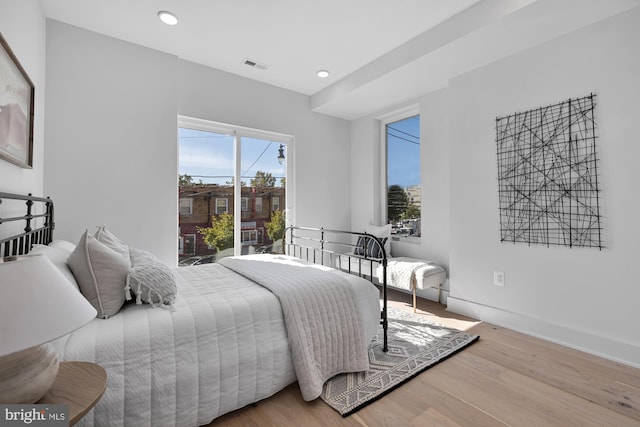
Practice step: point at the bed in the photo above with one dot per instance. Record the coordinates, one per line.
(226, 341)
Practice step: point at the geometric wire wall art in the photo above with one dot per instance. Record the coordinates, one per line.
(548, 175)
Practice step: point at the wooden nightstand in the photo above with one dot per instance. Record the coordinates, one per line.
(79, 385)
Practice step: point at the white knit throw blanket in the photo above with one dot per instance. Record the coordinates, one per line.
(325, 332)
(401, 272)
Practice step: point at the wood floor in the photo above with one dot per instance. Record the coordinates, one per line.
(504, 379)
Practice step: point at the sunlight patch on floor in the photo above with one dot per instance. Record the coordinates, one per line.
(436, 313)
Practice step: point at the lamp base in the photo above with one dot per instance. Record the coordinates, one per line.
(25, 376)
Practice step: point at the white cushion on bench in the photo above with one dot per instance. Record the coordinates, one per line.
(428, 276)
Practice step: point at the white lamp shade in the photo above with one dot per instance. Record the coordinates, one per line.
(37, 304)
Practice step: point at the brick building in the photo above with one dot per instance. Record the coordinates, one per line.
(199, 203)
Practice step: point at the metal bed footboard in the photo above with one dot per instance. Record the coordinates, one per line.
(317, 245)
(20, 244)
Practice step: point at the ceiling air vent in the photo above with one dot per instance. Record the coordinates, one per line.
(254, 64)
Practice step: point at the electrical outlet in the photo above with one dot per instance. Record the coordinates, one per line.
(498, 278)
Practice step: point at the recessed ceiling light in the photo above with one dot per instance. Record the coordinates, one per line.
(167, 17)
(322, 74)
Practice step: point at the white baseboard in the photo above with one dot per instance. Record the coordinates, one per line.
(430, 294)
(618, 351)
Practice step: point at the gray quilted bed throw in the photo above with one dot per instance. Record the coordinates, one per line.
(324, 330)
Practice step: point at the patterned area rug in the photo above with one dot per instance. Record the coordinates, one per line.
(415, 344)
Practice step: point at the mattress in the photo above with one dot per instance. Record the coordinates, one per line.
(223, 347)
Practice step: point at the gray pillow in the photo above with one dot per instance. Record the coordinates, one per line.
(101, 273)
(150, 280)
(110, 240)
(381, 232)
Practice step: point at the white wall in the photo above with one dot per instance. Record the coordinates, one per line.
(22, 24)
(112, 155)
(111, 139)
(584, 298)
(434, 156)
(365, 181)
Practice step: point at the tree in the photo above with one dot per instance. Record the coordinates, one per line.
(283, 182)
(185, 180)
(220, 234)
(275, 228)
(413, 211)
(397, 202)
(263, 179)
(232, 182)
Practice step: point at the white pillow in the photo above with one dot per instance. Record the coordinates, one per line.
(101, 274)
(150, 280)
(381, 232)
(58, 256)
(110, 240)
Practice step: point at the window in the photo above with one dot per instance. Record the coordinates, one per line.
(249, 237)
(222, 205)
(186, 206)
(403, 184)
(275, 203)
(233, 168)
(189, 246)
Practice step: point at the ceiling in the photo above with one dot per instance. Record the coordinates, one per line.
(376, 50)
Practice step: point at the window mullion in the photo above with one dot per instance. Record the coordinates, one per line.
(237, 195)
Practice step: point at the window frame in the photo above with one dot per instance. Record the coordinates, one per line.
(240, 132)
(226, 205)
(250, 233)
(187, 199)
(275, 199)
(395, 116)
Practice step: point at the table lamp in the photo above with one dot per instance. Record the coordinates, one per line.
(37, 305)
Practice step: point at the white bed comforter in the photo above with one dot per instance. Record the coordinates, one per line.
(184, 367)
(224, 346)
(326, 332)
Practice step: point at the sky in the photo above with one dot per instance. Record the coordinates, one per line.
(208, 156)
(403, 152)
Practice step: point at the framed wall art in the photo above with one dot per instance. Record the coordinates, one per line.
(16, 109)
(548, 180)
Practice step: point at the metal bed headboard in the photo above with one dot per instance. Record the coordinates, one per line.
(313, 245)
(21, 244)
